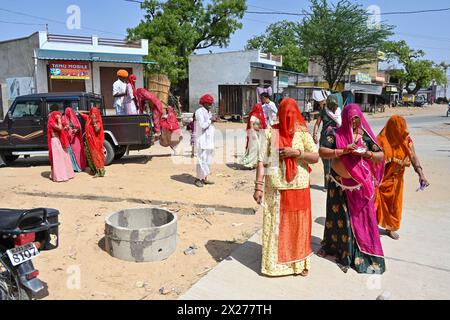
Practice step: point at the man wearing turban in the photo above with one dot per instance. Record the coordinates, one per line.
(204, 140)
(120, 91)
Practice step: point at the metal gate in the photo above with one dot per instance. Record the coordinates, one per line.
(236, 100)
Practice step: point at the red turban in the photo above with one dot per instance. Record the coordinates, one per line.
(206, 100)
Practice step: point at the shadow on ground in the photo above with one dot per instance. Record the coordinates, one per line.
(184, 178)
(237, 166)
(220, 250)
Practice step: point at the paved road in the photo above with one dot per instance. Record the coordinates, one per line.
(418, 266)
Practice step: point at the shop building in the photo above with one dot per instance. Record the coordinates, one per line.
(45, 62)
(233, 79)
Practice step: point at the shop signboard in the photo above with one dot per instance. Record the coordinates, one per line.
(71, 70)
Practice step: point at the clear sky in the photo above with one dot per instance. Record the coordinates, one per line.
(428, 31)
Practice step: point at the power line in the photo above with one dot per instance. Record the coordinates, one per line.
(23, 23)
(57, 22)
(381, 14)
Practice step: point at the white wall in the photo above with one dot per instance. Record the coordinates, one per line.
(207, 72)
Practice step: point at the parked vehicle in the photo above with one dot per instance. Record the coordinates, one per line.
(23, 234)
(24, 129)
(420, 101)
(442, 100)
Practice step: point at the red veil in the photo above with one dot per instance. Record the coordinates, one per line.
(69, 115)
(290, 121)
(145, 95)
(95, 140)
(257, 112)
(62, 135)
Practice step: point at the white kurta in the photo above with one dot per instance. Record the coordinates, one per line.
(204, 142)
(119, 87)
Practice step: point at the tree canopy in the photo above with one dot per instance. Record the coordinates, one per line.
(282, 38)
(176, 28)
(415, 72)
(339, 37)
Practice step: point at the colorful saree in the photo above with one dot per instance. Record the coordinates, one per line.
(94, 142)
(395, 141)
(287, 220)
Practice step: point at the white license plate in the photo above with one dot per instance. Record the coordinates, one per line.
(22, 254)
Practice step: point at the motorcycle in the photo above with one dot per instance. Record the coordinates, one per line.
(23, 234)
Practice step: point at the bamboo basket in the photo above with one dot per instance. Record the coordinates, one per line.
(159, 84)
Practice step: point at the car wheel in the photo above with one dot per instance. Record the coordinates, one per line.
(9, 158)
(109, 152)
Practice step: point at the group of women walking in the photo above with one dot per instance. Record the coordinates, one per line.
(72, 151)
(364, 189)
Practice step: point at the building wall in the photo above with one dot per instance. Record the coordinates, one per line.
(17, 61)
(207, 72)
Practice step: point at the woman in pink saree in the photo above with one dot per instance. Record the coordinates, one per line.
(351, 232)
(75, 135)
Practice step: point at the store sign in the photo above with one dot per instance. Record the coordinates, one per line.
(283, 81)
(73, 70)
(363, 77)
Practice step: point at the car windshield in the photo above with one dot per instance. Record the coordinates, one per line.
(62, 105)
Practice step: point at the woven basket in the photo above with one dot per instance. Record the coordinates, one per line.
(159, 84)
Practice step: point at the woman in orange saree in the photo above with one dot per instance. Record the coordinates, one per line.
(286, 151)
(95, 137)
(399, 153)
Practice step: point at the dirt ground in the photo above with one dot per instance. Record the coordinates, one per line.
(142, 177)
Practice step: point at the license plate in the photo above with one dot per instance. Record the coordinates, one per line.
(22, 254)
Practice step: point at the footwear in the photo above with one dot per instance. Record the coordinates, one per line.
(392, 234)
(199, 183)
(206, 182)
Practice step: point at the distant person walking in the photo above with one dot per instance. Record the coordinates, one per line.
(204, 135)
(399, 153)
(256, 124)
(330, 118)
(120, 91)
(270, 109)
(308, 109)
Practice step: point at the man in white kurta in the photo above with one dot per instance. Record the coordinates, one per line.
(204, 140)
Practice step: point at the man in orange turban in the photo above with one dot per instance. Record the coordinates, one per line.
(120, 91)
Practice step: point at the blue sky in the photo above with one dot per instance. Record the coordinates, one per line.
(428, 31)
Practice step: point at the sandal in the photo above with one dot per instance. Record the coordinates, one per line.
(304, 273)
(199, 183)
(393, 235)
(322, 253)
(208, 183)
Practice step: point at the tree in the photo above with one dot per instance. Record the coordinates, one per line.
(416, 72)
(339, 37)
(176, 28)
(282, 38)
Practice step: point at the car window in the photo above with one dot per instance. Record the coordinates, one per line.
(61, 105)
(96, 103)
(27, 109)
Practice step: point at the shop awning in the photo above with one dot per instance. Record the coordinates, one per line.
(96, 59)
(373, 89)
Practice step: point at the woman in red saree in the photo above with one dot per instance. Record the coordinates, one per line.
(94, 139)
(75, 135)
(171, 134)
(58, 143)
(286, 150)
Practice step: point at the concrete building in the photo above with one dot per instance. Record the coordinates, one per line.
(44, 63)
(242, 70)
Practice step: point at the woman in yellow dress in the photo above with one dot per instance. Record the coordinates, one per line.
(282, 177)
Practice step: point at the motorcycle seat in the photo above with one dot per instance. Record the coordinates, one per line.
(9, 217)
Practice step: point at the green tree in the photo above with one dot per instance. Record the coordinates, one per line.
(282, 38)
(415, 72)
(176, 28)
(339, 38)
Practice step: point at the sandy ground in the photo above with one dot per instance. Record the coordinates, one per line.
(149, 175)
